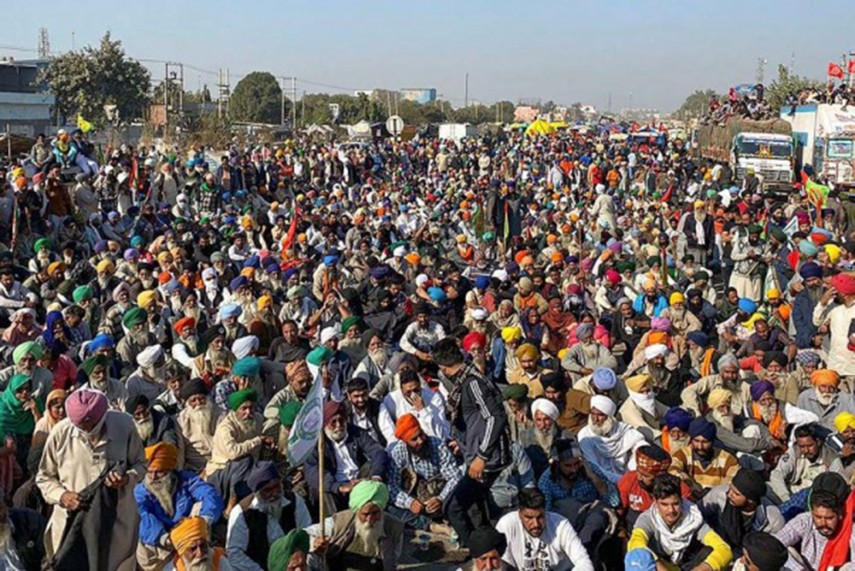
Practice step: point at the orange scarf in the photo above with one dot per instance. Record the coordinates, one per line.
(836, 552)
(666, 440)
(776, 425)
(706, 363)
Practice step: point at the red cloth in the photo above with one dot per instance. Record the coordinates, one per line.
(835, 70)
(844, 284)
(836, 551)
(634, 497)
(474, 338)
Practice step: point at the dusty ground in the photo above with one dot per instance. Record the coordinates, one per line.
(439, 556)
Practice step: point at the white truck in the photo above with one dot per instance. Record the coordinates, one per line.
(456, 131)
(825, 137)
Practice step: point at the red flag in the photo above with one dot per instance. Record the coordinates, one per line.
(292, 231)
(852, 67)
(835, 70)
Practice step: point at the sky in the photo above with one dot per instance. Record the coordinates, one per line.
(652, 53)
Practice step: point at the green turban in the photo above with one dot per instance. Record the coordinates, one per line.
(288, 413)
(654, 261)
(42, 244)
(92, 362)
(625, 267)
(755, 229)
(283, 549)
(134, 317)
(237, 398)
(489, 236)
(351, 321)
(778, 234)
(27, 348)
(247, 367)
(319, 355)
(368, 491)
(515, 392)
(82, 293)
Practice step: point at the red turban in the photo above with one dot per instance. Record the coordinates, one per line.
(183, 324)
(333, 409)
(86, 406)
(407, 427)
(844, 284)
(472, 339)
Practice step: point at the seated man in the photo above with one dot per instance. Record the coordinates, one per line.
(197, 423)
(641, 410)
(636, 487)
(153, 426)
(165, 497)
(423, 480)
(427, 405)
(700, 465)
(486, 546)
(24, 529)
(350, 456)
(801, 464)
(774, 413)
(694, 396)
(735, 433)
(825, 399)
(674, 530)
(255, 525)
(193, 551)
(736, 510)
(823, 536)
(538, 438)
(362, 410)
(290, 552)
(761, 551)
(586, 356)
(538, 539)
(609, 444)
(675, 429)
(362, 536)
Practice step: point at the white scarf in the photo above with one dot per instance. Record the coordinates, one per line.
(674, 542)
(699, 232)
(644, 401)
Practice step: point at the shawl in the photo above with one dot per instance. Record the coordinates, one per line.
(14, 418)
(50, 341)
(674, 542)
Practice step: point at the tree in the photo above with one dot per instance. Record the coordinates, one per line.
(84, 81)
(695, 104)
(257, 98)
(786, 85)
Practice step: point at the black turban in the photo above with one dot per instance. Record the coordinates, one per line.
(765, 551)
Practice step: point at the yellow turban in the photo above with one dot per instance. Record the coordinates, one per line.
(648, 284)
(264, 301)
(163, 256)
(511, 334)
(527, 351)
(773, 294)
(188, 531)
(562, 353)
(676, 297)
(248, 272)
(638, 382)
(718, 397)
(833, 253)
(146, 298)
(825, 377)
(55, 268)
(843, 421)
(105, 266)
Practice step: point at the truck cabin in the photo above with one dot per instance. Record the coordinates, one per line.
(763, 148)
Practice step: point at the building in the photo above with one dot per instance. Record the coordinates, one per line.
(25, 106)
(525, 114)
(419, 94)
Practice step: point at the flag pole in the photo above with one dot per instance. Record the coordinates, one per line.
(321, 482)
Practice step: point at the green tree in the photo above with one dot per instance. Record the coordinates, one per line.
(786, 85)
(695, 104)
(86, 80)
(257, 98)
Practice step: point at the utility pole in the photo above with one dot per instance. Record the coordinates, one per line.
(282, 110)
(165, 100)
(294, 103)
(761, 69)
(44, 44)
(466, 89)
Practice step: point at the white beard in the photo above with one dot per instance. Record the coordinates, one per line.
(826, 399)
(203, 564)
(336, 435)
(369, 534)
(677, 444)
(193, 312)
(145, 428)
(101, 385)
(273, 509)
(603, 429)
(767, 413)
(726, 420)
(163, 491)
(380, 358)
(202, 417)
(544, 439)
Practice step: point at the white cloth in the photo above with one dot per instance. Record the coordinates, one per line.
(613, 455)
(674, 542)
(558, 547)
(604, 404)
(546, 407)
(431, 417)
(149, 356)
(655, 350)
(346, 469)
(244, 346)
(644, 401)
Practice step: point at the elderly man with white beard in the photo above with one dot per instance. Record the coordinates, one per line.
(375, 365)
(186, 347)
(137, 336)
(729, 377)
(776, 414)
(214, 360)
(641, 410)
(255, 525)
(585, 357)
(362, 536)
(675, 429)
(197, 422)
(25, 359)
(745, 437)
(152, 425)
(607, 443)
(825, 398)
(538, 438)
(147, 378)
(193, 552)
(667, 380)
(166, 496)
(426, 405)
(97, 372)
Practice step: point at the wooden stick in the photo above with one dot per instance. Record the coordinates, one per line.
(321, 481)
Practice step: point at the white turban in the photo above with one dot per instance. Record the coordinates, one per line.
(19, 314)
(244, 346)
(331, 332)
(400, 251)
(479, 314)
(421, 280)
(500, 275)
(603, 404)
(209, 274)
(149, 356)
(656, 350)
(546, 407)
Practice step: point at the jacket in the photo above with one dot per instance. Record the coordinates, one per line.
(155, 523)
(768, 517)
(481, 422)
(802, 319)
(792, 470)
(28, 536)
(362, 448)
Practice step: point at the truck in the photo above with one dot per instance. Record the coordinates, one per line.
(824, 136)
(766, 147)
(456, 131)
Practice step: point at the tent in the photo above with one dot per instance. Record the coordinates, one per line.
(539, 127)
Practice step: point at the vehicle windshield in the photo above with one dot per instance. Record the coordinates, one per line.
(840, 148)
(765, 148)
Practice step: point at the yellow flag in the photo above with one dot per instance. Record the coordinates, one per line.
(83, 124)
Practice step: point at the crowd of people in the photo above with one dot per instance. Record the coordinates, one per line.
(544, 352)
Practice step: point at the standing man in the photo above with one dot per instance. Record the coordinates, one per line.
(92, 460)
(479, 424)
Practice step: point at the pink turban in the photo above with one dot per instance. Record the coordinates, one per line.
(85, 406)
(662, 324)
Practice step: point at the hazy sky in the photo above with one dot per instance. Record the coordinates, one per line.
(565, 50)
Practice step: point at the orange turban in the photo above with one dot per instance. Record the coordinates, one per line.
(825, 377)
(657, 338)
(183, 324)
(162, 456)
(527, 351)
(407, 427)
(520, 256)
(188, 531)
(264, 301)
(557, 257)
(413, 259)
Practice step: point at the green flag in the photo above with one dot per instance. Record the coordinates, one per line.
(308, 424)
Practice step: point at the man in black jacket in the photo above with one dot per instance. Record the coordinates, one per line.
(350, 456)
(362, 410)
(26, 544)
(479, 425)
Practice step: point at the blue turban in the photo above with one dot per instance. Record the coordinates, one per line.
(810, 270)
(482, 282)
(759, 388)
(230, 310)
(584, 331)
(101, 341)
(330, 260)
(247, 367)
(702, 427)
(252, 262)
(677, 417)
(747, 305)
(639, 559)
(699, 338)
(238, 282)
(572, 259)
(808, 248)
(288, 273)
(272, 268)
(604, 379)
(437, 294)
(379, 272)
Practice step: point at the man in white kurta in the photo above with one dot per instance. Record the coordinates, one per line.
(609, 444)
(90, 441)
